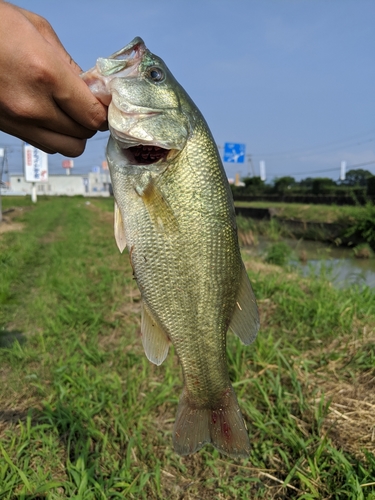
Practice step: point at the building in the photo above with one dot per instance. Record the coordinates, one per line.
(91, 184)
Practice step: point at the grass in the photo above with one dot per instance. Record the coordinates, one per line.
(84, 415)
(279, 253)
(310, 213)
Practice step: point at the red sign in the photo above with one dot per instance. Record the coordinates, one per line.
(29, 157)
(67, 163)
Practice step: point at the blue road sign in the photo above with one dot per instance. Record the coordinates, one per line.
(234, 152)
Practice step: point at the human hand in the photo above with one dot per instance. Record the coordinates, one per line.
(43, 101)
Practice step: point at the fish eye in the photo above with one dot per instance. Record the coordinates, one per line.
(156, 74)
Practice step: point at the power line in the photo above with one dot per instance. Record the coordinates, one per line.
(330, 146)
(334, 169)
(316, 171)
(361, 164)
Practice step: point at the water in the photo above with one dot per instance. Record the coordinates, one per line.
(340, 264)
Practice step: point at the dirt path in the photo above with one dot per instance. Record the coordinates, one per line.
(8, 223)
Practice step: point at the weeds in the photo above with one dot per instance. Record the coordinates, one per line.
(279, 254)
(364, 226)
(363, 251)
(84, 414)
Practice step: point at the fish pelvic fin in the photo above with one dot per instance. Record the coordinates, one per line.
(223, 426)
(119, 229)
(245, 319)
(155, 341)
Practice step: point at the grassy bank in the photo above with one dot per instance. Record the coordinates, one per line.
(84, 415)
(310, 213)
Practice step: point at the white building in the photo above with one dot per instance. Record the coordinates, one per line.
(91, 184)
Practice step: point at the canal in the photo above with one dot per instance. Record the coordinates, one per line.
(315, 257)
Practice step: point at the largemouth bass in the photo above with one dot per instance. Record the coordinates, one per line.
(174, 212)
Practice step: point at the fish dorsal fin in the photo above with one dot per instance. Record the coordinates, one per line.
(155, 341)
(245, 319)
(119, 229)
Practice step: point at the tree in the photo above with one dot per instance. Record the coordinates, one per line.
(357, 177)
(253, 181)
(371, 186)
(281, 184)
(307, 183)
(323, 185)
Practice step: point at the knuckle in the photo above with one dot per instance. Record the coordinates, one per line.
(24, 109)
(42, 25)
(41, 72)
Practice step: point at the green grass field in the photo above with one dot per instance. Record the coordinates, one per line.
(84, 415)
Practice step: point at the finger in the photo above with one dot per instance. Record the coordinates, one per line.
(47, 115)
(58, 121)
(52, 143)
(73, 96)
(104, 127)
(65, 145)
(37, 145)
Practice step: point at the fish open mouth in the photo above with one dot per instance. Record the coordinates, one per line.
(145, 154)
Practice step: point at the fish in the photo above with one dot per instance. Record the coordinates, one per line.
(174, 212)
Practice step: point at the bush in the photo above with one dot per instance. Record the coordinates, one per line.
(279, 254)
(364, 226)
(371, 186)
(323, 185)
(283, 184)
(363, 251)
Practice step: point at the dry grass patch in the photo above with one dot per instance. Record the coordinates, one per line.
(8, 223)
(349, 390)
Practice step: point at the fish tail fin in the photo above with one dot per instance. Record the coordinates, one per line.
(222, 426)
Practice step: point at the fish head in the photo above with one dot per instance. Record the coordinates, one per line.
(150, 116)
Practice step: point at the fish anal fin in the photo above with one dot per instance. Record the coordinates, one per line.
(222, 426)
(155, 341)
(119, 229)
(245, 319)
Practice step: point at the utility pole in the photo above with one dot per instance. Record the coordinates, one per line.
(262, 170)
(3, 155)
(251, 165)
(343, 171)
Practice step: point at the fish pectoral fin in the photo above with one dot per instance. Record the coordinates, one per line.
(245, 319)
(160, 211)
(119, 229)
(155, 341)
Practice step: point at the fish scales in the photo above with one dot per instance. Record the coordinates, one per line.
(176, 273)
(176, 214)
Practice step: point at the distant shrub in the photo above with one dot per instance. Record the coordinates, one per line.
(245, 223)
(253, 181)
(363, 251)
(323, 185)
(283, 184)
(279, 254)
(371, 186)
(364, 226)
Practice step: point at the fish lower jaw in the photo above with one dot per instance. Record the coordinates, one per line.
(145, 154)
(136, 153)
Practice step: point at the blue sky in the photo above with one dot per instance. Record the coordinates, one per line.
(293, 80)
